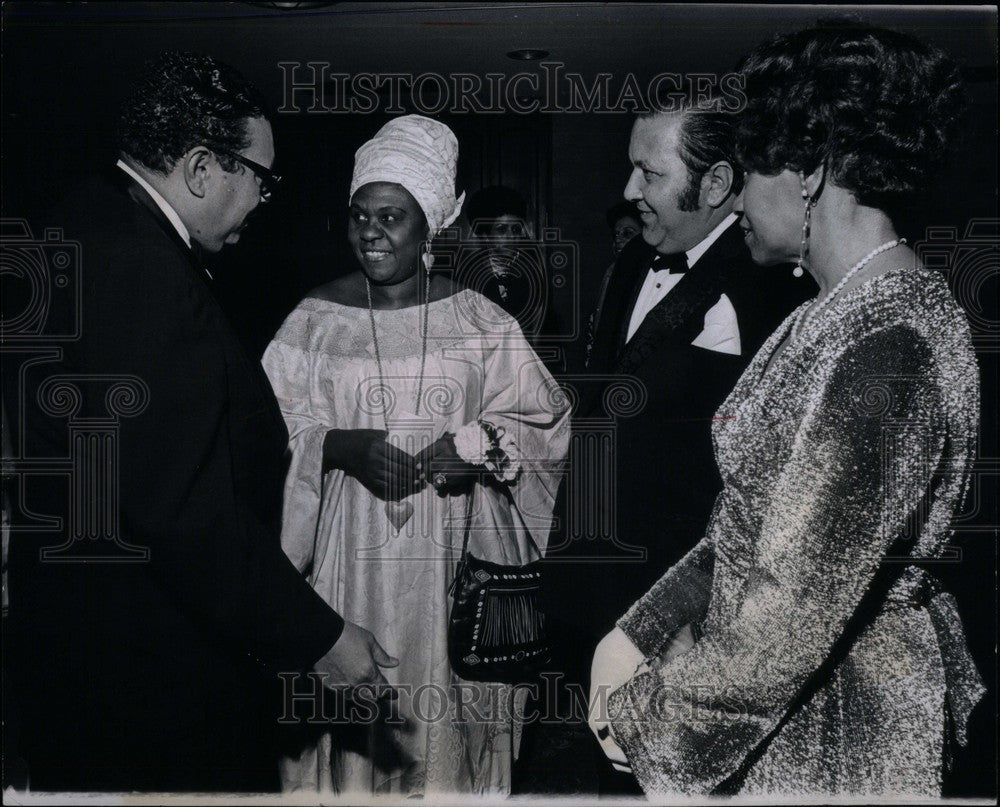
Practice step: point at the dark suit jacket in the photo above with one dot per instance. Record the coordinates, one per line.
(654, 479)
(152, 674)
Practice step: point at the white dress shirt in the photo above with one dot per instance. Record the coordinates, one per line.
(161, 203)
(721, 331)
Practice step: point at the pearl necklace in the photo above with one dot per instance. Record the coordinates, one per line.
(378, 353)
(808, 314)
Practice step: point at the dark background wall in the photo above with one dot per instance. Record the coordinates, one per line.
(66, 67)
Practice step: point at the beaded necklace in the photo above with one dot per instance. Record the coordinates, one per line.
(378, 352)
(808, 314)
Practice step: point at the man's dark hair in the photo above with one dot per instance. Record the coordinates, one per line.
(876, 107)
(183, 100)
(620, 211)
(707, 135)
(488, 204)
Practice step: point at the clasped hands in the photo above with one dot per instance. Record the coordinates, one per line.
(389, 472)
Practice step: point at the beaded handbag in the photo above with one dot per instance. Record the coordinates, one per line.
(497, 628)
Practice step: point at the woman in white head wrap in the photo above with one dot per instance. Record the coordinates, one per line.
(375, 372)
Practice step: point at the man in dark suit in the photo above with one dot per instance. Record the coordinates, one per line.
(151, 601)
(684, 312)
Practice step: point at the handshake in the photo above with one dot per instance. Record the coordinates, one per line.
(355, 659)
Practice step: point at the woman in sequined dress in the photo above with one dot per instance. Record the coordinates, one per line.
(375, 373)
(783, 655)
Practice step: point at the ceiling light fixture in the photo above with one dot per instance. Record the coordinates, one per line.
(527, 54)
(294, 5)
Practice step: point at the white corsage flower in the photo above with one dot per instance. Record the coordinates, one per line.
(482, 443)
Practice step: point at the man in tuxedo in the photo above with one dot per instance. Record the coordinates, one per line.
(684, 312)
(152, 604)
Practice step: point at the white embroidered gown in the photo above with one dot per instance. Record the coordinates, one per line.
(323, 368)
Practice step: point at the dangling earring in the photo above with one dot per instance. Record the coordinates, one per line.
(798, 271)
(427, 258)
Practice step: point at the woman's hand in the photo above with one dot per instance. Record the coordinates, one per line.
(387, 471)
(616, 661)
(440, 465)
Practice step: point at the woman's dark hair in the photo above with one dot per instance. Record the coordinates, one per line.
(488, 204)
(183, 100)
(620, 211)
(876, 107)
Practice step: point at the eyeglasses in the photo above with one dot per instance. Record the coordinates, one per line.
(268, 179)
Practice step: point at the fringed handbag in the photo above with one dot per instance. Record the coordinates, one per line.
(497, 627)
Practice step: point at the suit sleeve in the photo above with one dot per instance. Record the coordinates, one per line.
(179, 493)
(837, 503)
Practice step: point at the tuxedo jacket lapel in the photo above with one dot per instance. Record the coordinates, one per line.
(680, 315)
(639, 271)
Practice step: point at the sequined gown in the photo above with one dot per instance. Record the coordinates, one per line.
(869, 415)
(323, 368)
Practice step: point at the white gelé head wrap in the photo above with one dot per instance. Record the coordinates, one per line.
(421, 155)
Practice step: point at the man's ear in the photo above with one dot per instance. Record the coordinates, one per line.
(198, 166)
(717, 183)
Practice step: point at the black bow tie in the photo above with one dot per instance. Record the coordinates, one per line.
(672, 263)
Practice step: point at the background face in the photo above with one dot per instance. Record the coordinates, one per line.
(504, 238)
(386, 229)
(505, 229)
(625, 229)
